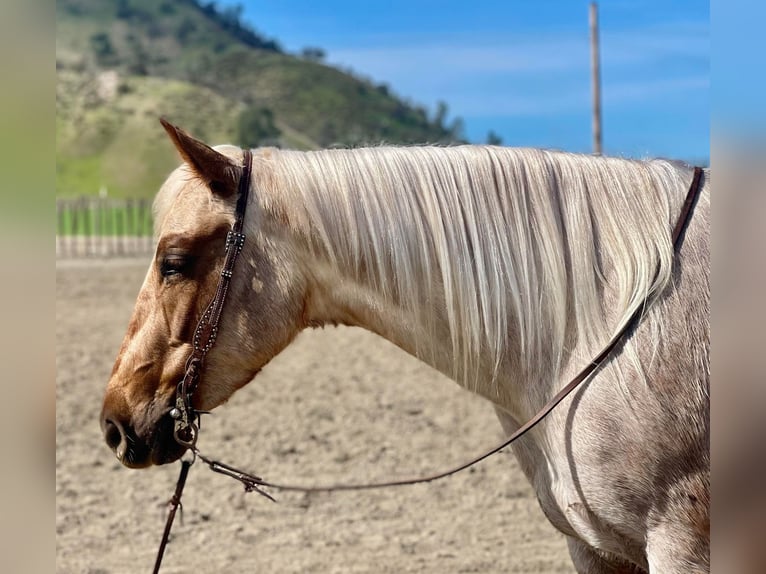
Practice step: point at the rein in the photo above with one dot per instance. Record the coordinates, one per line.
(186, 428)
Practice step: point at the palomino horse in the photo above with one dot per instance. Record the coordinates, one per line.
(506, 269)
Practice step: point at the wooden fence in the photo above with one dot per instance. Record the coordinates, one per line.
(103, 227)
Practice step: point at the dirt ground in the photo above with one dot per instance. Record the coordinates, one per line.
(339, 404)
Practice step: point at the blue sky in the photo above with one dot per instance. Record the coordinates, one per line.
(738, 63)
(522, 69)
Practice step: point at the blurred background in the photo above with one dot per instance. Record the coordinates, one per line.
(307, 75)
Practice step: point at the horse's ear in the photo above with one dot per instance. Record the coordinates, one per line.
(218, 171)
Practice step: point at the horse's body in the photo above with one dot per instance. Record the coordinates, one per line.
(508, 270)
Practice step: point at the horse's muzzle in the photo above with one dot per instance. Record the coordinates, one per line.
(137, 449)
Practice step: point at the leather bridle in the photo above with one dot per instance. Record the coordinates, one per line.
(186, 427)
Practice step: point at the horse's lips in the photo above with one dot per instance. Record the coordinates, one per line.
(165, 449)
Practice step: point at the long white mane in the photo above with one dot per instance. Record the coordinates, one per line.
(543, 250)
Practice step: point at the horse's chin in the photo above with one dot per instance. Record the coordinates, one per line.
(166, 451)
(158, 455)
(167, 455)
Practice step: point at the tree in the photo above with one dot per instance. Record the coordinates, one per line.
(457, 129)
(186, 28)
(313, 54)
(137, 58)
(257, 128)
(441, 114)
(493, 138)
(102, 47)
(124, 11)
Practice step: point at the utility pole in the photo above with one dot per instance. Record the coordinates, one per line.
(595, 78)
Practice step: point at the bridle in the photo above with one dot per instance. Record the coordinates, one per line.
(186, 427)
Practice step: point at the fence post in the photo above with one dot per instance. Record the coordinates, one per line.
(59, 228)
(92, 226)
(91, 223)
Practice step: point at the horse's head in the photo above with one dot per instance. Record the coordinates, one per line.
(264, 311)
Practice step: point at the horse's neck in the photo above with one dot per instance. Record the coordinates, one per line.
(525, 238)
(338, 295)
(337, 299)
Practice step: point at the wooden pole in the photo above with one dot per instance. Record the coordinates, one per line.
(595, 78)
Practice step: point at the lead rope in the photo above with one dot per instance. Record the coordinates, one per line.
(253, 483)
(175, 504)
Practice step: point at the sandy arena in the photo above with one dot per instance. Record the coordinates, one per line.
(339, 405)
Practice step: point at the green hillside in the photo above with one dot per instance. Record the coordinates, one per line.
(123, 63)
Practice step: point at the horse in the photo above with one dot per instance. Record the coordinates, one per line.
(507, 269)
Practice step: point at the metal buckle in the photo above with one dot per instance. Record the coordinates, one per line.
(192, 431)
(185, 430)
(235, 239)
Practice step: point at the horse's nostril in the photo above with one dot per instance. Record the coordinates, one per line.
(112, 434)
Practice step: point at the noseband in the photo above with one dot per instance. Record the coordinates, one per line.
(186, 427)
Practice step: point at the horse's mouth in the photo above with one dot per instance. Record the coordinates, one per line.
(165, 449)
(135, 451)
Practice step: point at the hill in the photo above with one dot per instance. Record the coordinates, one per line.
(123, 63)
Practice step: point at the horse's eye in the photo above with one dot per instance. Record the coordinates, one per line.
(174, 265)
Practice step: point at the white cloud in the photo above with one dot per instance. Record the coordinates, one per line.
(397, 61)
(616, 94)
(540, 74)
(628, 92)
(391, 57)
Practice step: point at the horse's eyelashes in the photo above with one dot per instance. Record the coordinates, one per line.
(175, 265)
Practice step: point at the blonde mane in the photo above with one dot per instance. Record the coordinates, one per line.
(519, 240)
(552, 249)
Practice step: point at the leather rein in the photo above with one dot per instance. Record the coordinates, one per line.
(186, 427)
